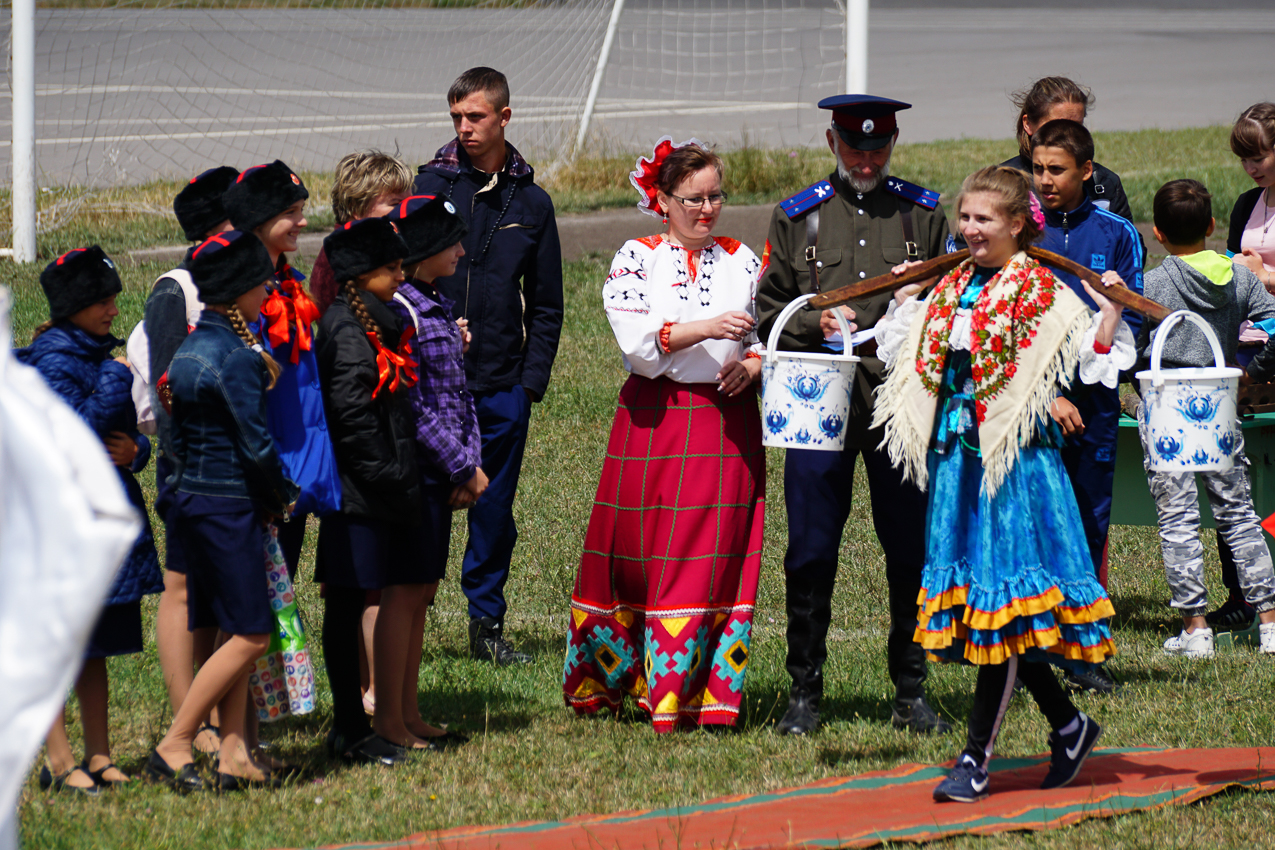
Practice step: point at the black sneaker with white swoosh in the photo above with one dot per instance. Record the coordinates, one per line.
(1068, 752)
(966, 783)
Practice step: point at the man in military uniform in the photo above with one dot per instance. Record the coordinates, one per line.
(859, 223)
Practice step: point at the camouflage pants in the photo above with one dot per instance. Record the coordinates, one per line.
(1231, 500)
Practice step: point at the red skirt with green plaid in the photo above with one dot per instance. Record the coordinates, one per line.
(663, 603)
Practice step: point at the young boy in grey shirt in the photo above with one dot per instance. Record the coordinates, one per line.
(1224, 295)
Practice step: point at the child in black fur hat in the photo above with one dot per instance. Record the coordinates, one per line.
(269, 201)
(72, 351)
(372, 544)
(172, 311)
(229, 478)
(445, 422)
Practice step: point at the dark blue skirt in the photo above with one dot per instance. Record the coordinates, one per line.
(221, 542)
(118, 631)
(367, 553)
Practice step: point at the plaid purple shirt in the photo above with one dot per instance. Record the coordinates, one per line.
(447, 440)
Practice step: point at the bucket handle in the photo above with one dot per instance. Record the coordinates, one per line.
(1162, 333)
(772, 343)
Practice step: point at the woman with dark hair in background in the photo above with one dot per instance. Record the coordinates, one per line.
(1059, 97)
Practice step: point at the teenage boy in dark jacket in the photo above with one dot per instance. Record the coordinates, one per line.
(509, 286)
(1062, 160)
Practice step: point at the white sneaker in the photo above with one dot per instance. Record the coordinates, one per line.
(1197, 644)
(1267, 631)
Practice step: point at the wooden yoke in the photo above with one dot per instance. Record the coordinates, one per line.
(1121, 295)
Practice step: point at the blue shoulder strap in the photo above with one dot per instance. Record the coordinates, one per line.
(927, 198)
(807, 199)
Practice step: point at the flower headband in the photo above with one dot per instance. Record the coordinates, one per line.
(644, 176)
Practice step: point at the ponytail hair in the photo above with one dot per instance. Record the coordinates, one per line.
(241, 328)
(360, 310)
(1013, 188)
(41, 328)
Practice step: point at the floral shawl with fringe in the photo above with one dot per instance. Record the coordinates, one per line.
(1027, 328)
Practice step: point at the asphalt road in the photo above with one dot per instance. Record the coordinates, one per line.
(127, 94)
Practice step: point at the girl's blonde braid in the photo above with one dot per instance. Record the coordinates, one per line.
(241, 328)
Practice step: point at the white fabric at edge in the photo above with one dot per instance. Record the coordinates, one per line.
(65, 527)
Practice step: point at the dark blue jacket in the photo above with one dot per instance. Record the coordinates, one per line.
(221, 441)
(1100, 240)
(78, 367)
(509, 283)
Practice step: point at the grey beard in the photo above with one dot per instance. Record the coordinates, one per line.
(863, 184)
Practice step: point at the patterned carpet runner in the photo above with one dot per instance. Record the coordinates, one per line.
(866, 810)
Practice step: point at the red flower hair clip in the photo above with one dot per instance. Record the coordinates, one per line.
(644, 175)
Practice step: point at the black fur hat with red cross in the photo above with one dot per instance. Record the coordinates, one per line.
(79, 278)
(361, 246)
(227, 265)
(198, 205)
(262, 192)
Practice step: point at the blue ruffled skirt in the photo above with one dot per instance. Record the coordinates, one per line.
(1010, 575)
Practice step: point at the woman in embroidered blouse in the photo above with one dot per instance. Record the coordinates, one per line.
(663, 603)
(973, 371)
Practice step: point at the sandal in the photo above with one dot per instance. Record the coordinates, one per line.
(207, 727)
(100, 779)
(49, 781)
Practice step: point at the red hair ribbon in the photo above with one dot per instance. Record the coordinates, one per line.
(397, 362)
(289, 307)
(647, 170)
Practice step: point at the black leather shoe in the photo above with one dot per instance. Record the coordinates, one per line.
(915, 715)
(801, 718)
(445, 741)
(229, 782)
(1095, 681)
(58, 783)
(372, 749)
(182, 780)
(487, 643)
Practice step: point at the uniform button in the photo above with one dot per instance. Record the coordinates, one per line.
(863, 274)
(819, 264)
(860, 212)
(861, 196)
(863, 242)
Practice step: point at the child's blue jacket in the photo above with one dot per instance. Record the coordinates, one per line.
(78, 367)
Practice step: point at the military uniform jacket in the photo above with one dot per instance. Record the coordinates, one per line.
(860, 236)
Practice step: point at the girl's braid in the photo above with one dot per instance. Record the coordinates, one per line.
(360, 310)
(241, 328)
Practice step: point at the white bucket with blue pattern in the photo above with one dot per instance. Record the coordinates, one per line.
(805, 398)
(1189, 414)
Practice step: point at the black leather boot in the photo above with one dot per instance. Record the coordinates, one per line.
(487, 643)
(809, 604)
(906, 661)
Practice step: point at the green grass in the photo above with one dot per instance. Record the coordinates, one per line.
(125, 218)
(532, 759)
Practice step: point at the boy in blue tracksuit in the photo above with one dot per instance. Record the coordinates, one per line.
(1062, 159)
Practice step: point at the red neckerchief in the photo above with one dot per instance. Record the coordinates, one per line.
(287, 307)
(403, 367)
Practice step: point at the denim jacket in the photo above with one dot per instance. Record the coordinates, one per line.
(221, 442)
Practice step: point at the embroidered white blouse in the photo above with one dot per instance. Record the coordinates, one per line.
(653, 281)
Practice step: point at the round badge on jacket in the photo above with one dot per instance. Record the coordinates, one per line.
(447, 205)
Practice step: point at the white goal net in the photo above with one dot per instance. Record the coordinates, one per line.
(135, 90)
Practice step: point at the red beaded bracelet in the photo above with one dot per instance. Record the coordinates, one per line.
(752, 354)
(664, 335)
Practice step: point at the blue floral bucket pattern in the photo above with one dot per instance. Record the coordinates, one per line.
(805, 398)
(1189, 414)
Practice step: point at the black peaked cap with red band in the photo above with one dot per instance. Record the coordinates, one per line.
(262, 192)
(429, 225)
(362, 246)
(198, 205)
(863, 121)
(79, 278)
(227, 265)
